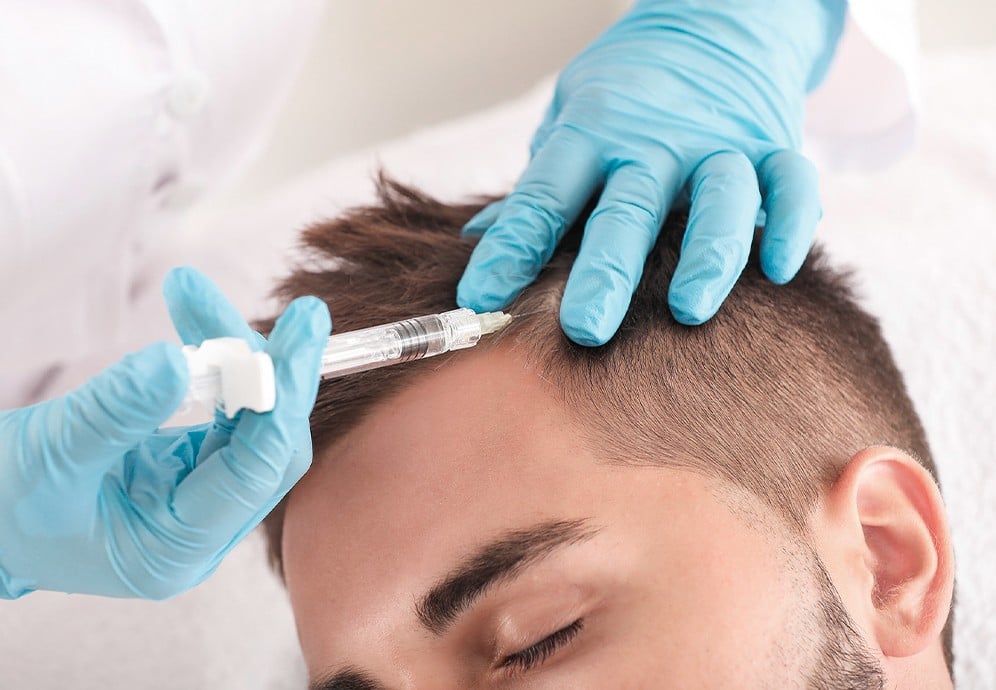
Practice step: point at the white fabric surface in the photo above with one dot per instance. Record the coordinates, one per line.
(920, 236)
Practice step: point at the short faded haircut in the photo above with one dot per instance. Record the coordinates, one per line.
(774, 394)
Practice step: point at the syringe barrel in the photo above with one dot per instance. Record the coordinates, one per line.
(402, 341)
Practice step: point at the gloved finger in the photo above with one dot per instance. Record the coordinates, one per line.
(717, 241)
(218, 435)
(115, 410)
(283, 346)
(791, 193)
(551, 193)
(483, 219)
(227, 490)
(545, 127)
(619, 234)
(299, 464)
(200, 310)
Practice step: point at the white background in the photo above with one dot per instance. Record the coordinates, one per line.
(383, 68)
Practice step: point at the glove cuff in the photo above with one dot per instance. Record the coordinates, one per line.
(792, 40)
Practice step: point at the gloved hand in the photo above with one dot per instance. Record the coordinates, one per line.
(94, 499)
(679, 102)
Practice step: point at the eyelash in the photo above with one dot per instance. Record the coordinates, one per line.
(541, 651)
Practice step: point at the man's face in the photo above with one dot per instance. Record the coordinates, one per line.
(466, 535)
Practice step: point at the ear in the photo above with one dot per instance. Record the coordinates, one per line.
(891, 545)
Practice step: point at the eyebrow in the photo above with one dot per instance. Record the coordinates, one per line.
(347, 679)
(500, 560)
(497, 561)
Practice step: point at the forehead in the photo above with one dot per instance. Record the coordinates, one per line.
(459, 434)
(470, 450)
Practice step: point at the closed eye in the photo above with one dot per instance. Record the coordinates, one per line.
(538, 653)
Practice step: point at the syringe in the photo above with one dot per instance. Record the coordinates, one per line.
(226, 374)
(404, 341)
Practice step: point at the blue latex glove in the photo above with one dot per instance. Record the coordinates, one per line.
(94, 499)
(680, 102)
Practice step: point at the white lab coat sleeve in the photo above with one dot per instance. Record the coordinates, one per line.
(864, 114)
(115, 115)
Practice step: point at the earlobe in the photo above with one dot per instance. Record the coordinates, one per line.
(894, 523)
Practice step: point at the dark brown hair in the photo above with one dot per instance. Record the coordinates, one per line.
(774, 394)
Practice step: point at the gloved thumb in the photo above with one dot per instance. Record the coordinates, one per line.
(200, 310)
(116, 409)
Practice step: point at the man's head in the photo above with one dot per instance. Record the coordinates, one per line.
(740, 504)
